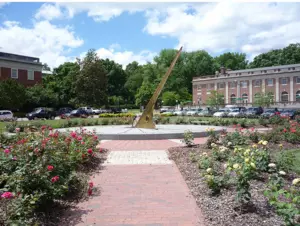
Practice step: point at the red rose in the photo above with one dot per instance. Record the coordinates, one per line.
(50, 168)
(54, 179)
(91, 184)
(90, 151)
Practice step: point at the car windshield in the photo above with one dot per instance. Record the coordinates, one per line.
(270, 111)
(252, 109)
(235, 110)
(222, 110)
(74, 111)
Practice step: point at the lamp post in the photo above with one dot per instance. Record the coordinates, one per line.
(176, 104)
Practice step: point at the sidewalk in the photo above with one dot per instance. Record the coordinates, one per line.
(139, 186)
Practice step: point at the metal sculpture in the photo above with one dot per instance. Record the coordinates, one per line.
(146, 120)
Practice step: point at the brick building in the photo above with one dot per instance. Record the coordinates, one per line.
(241, 86)
(26, 70)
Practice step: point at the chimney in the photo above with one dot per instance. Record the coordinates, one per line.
(223, 70)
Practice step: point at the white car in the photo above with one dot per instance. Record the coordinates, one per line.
(89, 110)
(180, 113)
(221, 113)
(6, 114)
(193, 112)
(96, 111)
(234, 112)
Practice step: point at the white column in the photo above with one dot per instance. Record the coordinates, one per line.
(216, 86)
(291, 89)
(238, 89)
(226, 92)
(263, 85)
(250, 91)
(277, 90)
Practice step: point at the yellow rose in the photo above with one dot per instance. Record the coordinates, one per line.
(265, 142)
(260, 142)
(247, 160)
(254, 146)
(296, 181)
(236, 165)
(280, 145)
(253, 165)
(209, 170)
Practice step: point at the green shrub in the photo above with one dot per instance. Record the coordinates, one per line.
(111, 115)
(188, 139)
(40, 168)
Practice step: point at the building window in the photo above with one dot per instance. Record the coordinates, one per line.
(232, 85)
(199, 88)
(203, 86)
(298, 96)
(232, 99)
(270, 82)
(245, 98)
(284, 97)
(257, 83)
(244, 84)
(30, 75)
(221, 85)
(298, 80)
(14, 73)
(284, 81)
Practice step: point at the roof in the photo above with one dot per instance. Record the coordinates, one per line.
(19, 58)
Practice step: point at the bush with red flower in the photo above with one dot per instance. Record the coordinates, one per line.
(39, 168)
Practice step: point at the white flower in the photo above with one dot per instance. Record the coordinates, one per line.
(225, 166)
(296, 181)
(229, 144)
(213, 145)
(265, 142)
(209, 170)
(236, 165)
(272, 165)
(282, 173)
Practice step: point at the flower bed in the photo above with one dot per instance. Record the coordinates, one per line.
(239, 182)
(40, 168)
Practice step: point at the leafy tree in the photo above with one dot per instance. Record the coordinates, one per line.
(287, 55)
(116, 78)
(215, 99)
(62, 82)
(46, 67)
(91, 84)
(144, 94)
(40, 96)
(12, 94)
(263, 99)
(169, 98)
(234, 61)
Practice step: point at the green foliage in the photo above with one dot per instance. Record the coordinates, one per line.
(263, 99)
(188, 138)
(170, 98)
(215, 99)
(286, 200)
(234, 61)
(110, 115)
(286, 160)
(90, 85)
(39, 96)
(41, 167)
(12, 94)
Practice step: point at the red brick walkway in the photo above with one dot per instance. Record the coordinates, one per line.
(148, 195)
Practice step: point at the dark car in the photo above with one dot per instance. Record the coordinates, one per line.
(289, 113)
(116, 110)
(41, 113)
(254, 111)
(63, 111)
(78, 113)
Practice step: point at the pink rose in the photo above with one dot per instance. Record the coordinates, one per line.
(7, 195)
(6, 151)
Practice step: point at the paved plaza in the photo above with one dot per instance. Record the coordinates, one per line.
(139, 185)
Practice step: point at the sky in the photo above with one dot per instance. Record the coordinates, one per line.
(126, 32)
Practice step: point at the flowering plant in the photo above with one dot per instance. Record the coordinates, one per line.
(44, 165)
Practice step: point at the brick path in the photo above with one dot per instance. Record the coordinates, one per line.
(142, 188)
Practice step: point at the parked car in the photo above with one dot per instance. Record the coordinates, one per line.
(290, 113)
(89, 110)
(180, 112)
(221, 113)
(116, 110)
(96, 111)
(63, 111)
(193, 112)
(205, 112)
(6, 114)
(41, 113)
(268, 113)
(169, 112)
(162, 110)
(235, 112)
(78, 113)
(254, 111)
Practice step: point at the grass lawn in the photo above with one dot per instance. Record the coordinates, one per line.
(296, 166)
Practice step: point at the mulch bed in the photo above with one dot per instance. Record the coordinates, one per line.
(222, 209)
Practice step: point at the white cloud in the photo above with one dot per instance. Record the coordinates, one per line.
(103, 11)
(123, 57)
(44, 40)
(215, 27)
(49, 12)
